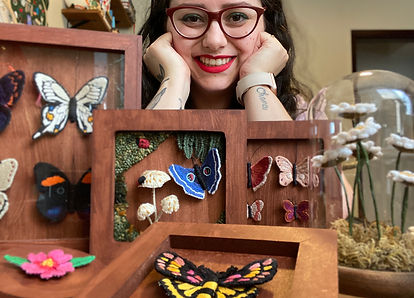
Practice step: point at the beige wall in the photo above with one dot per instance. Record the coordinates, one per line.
(321, 30)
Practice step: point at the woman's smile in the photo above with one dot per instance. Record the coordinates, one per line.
(214, 64)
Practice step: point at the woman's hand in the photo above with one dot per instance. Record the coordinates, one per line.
(172, 71)
(270, 56)
(164, 62)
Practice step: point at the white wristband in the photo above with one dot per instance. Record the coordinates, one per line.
(254, 79)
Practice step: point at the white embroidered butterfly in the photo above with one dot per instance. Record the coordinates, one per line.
(60, 106)
(8, 168)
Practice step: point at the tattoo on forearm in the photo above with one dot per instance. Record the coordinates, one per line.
(161, 75)
(262, 96)
(156, 99)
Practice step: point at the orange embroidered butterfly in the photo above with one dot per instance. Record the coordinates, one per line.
(184, 279)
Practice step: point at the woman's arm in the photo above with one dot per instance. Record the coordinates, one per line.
(172, 71)
(260, 101)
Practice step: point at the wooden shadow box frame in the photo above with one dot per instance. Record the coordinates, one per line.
(72, 57)
(294, 140)
(232, 123)
(307, 258)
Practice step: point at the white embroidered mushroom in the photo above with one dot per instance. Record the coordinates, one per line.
(145, 211)
(153, 179)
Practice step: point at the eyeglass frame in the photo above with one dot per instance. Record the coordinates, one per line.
(214, 16)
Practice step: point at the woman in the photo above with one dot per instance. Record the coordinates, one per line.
(219, 54)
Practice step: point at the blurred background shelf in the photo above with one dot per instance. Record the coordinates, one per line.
(91, 19)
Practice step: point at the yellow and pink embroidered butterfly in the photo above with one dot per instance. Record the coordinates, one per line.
(184, 279)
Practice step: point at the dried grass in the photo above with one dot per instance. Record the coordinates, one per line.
(393, 252)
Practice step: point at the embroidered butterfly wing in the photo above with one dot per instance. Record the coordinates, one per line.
(11, 87)
(290, 173)
(210, 170)
(209, 173)
(259, 172)
(8, 169)
(254, 210)
(56, 111)
(293, 211)
(57, 196)
(184, 279)
(87, 99)
(302, 172)
(60, 107)
(81, 199)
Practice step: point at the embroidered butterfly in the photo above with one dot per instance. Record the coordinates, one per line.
(8, 169)
(60, 106)
(293, 211)
(199, 179)
(257, 174)
(254, 210)
(11, 87)
(57, 196)
(184, 279)
(296, 173)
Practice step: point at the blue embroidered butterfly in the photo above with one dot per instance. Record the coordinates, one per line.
(11, 87)
(185, 279)
(197, 180)
(60, 106)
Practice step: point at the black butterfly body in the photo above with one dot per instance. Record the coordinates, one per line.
(184, 279)
(57, 196)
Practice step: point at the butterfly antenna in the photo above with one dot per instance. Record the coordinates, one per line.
(249, 175)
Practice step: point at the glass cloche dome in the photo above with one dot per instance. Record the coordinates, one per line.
(393, 96)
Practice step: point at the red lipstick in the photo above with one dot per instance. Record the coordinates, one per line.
(214, 69)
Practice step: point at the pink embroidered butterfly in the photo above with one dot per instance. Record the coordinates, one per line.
(296, 173)
(254, 210)
(293, 211)
(257, 174)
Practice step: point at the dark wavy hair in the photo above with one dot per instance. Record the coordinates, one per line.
(275, 23)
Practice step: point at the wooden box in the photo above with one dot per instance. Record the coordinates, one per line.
(232, 124)
(307, 258)
(243, 141)
(72, 57)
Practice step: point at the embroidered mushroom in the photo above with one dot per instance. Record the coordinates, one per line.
(153, 179)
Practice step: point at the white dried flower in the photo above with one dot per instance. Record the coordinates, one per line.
(170, 204)
(403, 144)
(406, 177)
(411, 230)
(361, 131)
(331, 157)
(373, 151)
(145, 210)
(350, 111)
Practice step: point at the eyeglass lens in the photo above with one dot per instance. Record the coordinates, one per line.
(236, 22)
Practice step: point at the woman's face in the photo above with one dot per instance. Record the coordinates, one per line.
(214, 58)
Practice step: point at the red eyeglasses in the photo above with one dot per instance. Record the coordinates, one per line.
(236, 22)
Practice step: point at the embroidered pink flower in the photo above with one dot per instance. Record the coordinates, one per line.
(55, 264)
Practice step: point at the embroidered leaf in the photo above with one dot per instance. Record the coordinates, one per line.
(16, 260)
(82, 261)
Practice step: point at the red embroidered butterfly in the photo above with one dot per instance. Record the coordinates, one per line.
(293, 211)
(254, 210)
(296, 173)
(257, 174)
(11, 87)
(184, 279)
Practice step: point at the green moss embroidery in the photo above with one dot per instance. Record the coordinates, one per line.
(127, 154)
